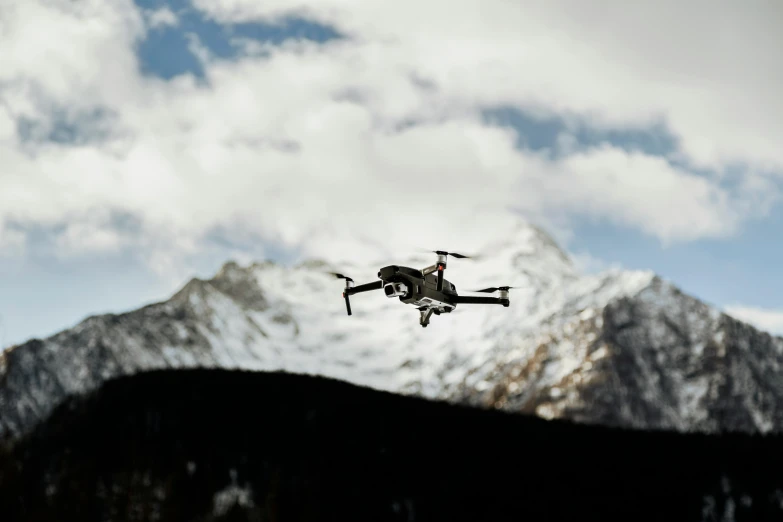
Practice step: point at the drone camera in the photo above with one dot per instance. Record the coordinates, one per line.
(395, 289)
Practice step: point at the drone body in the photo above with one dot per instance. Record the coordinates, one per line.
(428, 292)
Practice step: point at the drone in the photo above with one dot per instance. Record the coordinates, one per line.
(429, 293)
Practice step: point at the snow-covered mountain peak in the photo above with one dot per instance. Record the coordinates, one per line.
(620, 347)
(519, 246)
(529, 239)
(523, 256)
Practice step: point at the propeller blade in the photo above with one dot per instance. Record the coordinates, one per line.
(486, 290)
(341, 276)
(452, 254)
(444, 253)
(494, 289)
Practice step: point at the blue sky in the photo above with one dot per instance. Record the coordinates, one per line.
(165, 52)
(176, 76)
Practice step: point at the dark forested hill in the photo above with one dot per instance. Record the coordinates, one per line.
(227, 445)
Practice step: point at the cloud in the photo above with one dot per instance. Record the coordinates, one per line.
(80, 55)
(709, 70)
(381, 134)
(162, 17)
(644, 192)
(768, 320)
(12, 242)
(87, 236)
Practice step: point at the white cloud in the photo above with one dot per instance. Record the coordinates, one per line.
(768, 320)
(78, 55)
(709, 69)
(7, 126)
(12, 242)
(310, 140)
(88, 236)
(163, 17)
(644, 192)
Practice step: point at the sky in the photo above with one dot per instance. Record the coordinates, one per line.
(144, 143)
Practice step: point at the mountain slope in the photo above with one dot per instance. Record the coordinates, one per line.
(620, 348)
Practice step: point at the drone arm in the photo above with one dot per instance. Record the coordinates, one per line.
(348, 292)
(469, 299)
(350, 289)
(377, 285)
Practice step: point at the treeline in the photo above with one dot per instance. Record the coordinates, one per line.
(220, 445)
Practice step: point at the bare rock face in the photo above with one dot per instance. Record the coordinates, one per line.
(620, 348)
(656, 360)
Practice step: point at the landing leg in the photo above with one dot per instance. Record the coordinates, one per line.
(425, 317)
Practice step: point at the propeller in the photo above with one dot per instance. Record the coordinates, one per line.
(503, 292)
(340, 276)
(348, 284)
(452, 254)
(492, 289)
(442, 254)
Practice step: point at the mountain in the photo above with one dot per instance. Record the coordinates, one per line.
(219, 445)
(621, 348)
